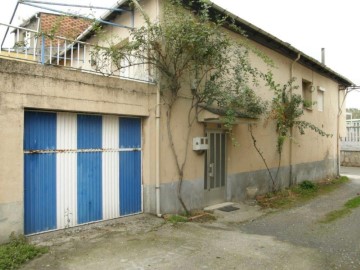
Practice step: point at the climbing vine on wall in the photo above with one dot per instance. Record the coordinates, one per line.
(189, 50)
(286, 110)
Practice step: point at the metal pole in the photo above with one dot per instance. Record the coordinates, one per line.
(133, 18)
(73, 5)
(78, 16)
(50, 52)
(78, 55)
(65, 50)
(42, 49)
(58, 53)
(7, 29)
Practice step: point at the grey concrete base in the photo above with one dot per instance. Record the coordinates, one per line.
(11, 220)
(350, 158)
(237, 187)
(192, 193)
(314, 171)
(238, 183)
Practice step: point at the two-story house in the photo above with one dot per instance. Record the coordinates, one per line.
(80, 148)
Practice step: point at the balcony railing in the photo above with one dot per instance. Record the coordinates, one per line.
(352, 140)
(29, 45)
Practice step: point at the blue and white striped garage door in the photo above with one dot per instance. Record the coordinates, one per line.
(80, 168)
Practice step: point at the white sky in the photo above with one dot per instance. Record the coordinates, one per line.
(308, 25)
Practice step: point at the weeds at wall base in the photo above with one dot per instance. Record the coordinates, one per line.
(304, 191)
(18, 251)
(194, 216)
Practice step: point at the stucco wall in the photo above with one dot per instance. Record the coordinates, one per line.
(310, 147)
(25, 85)
(312, 157)
(350, 158)
(243, 158)
(193, 189)
(114, 35)
(48, 88)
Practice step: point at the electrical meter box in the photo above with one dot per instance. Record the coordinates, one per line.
(200, 143)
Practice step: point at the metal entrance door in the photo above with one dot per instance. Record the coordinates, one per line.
(215, 168)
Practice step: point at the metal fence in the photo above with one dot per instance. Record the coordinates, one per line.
(352, 140)
(29, 45)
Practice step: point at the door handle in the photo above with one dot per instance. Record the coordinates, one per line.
(211, 170)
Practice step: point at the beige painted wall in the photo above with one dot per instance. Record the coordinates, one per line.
(112, 35)
(243, 158)
(25, 85)
(49, 88)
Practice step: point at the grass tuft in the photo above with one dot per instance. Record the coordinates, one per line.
(348, 206)
(176, 219)
(353, 203)
(17, 252)
(333, 215)
(298, 194)
(199, 216)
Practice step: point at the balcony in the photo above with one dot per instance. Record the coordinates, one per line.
(31, 46)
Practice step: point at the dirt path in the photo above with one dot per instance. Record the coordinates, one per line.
(244, 239)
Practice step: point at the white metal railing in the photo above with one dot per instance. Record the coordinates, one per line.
(352, 140)
(29, 45)
(353, 123)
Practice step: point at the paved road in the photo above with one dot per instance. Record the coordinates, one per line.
(245, 239)
(338, 242)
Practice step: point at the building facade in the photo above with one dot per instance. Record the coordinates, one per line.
(80, 148)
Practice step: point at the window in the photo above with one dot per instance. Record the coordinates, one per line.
(27, 39)
(320, 99)
(307, 94)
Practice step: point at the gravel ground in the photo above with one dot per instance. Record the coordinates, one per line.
(338, 241)
(248, 238)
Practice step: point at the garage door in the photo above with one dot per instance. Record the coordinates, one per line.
(80, 168)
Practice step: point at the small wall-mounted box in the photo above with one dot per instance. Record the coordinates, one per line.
(200, 143)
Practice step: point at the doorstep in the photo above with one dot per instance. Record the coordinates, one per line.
(217, 206)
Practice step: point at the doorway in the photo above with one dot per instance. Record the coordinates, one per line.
(215, 167)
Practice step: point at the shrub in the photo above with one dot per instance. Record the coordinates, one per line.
(17, 252)
(308, 185)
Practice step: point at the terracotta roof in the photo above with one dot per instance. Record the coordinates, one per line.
(64, 26)
(60, 25)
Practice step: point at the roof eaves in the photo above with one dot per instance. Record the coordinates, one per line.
(264, 38)
(260, 36)
(105, 16)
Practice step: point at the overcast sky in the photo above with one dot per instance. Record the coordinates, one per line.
(308, 25)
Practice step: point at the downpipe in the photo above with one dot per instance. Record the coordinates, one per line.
(157, 153)
(157, 137)
(291, 130)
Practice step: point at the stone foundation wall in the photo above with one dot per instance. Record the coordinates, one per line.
(350, 158)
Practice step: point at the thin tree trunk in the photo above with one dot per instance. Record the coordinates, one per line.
(273, 181)
(180, 169)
